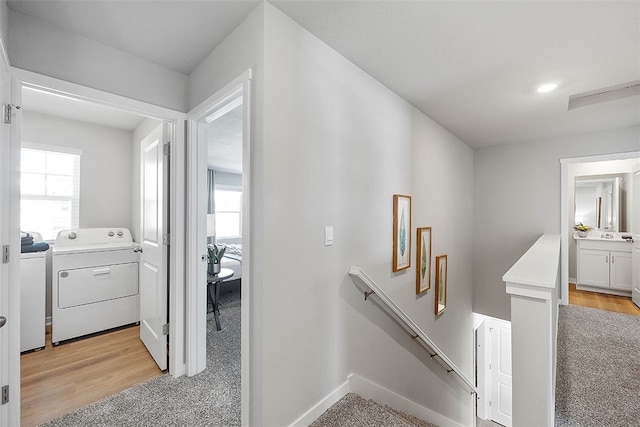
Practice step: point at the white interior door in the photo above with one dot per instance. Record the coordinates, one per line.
(501, 382)
(635, 223)
(153, 261)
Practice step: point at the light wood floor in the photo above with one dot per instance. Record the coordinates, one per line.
(602, 301)
(59, 380)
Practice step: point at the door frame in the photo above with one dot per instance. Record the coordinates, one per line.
(565, 212)
(176, 119)
(196, 303)
(10, 271)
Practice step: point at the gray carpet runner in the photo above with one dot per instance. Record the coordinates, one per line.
(598, 371)
(354, 411)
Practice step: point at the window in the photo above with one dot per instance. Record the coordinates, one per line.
(228, 213)
(50, 189)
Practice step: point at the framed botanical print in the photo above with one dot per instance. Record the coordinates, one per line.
(401, 232)
(441, 284)
(423, 260)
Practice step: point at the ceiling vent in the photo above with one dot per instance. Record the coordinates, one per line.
(606, 94)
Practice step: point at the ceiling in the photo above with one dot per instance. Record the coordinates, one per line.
(472, 66)
(224, 136)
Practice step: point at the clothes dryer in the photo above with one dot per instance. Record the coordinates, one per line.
(95, 282)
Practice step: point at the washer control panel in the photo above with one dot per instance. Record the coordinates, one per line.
(92, 236)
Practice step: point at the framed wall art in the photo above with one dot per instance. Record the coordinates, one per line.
(401, 232)
(423, 260)
(441, 284)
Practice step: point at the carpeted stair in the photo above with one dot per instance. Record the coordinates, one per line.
(354, 411)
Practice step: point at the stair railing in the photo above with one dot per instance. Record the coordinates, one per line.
(359, 277)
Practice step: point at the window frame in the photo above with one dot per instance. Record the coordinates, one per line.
(74, 198)
(230, 188)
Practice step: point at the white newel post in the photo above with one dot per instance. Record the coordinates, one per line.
(533, 283)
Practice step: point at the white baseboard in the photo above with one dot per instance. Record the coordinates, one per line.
(370, 390)
(325, 403)
(384, 396)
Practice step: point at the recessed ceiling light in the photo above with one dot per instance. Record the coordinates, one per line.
(547, 87)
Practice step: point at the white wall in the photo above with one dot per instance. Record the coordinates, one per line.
(105, 165)
(517, 194)
(242, 50)
(105, 169)
(337, 146)
(43, 48)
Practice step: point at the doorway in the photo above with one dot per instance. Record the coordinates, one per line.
(610, 164)
(112, 133)
(219, 219)
(493, 369)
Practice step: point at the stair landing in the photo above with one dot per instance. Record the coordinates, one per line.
(355, 411)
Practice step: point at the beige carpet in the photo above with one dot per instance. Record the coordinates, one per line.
(354, 411)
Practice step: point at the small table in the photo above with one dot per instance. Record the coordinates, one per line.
(214, 281)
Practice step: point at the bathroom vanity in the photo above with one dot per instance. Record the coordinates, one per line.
(604, 264)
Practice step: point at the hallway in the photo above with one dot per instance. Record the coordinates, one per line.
(607, 302)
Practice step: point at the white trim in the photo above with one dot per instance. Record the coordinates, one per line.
(382, 395)
(4, 57)
(240, 87)
(25, 78)
(483, 377)
(51, 147)
(564, 211)
(63, 88)
(319, 408)
(9, 234)
(369, 390)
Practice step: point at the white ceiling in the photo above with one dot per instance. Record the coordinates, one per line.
(472, 66)
(224, 136)
(177, 34)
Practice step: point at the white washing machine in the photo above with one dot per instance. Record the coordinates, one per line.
(95, 282)
(33, 267)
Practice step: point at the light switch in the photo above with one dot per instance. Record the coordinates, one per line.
(328, 235)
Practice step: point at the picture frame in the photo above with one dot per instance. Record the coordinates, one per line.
(401, 232)
(441, 284)
(423, 259)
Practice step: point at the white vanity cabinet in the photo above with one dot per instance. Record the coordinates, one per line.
(605, 266)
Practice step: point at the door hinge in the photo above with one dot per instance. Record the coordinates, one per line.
(5, 394)
(6, 250)
(7, 112)
(166, 149)
(166, 239)
(165, 329)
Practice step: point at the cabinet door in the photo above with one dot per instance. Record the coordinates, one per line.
(594, 268)
(621, 267)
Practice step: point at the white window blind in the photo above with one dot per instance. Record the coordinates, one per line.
(228, 213)
(50, 190)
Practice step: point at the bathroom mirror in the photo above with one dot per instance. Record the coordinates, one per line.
(599, 203)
